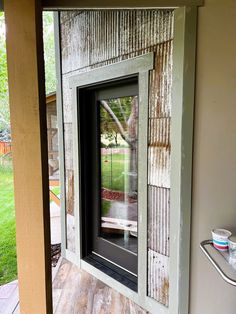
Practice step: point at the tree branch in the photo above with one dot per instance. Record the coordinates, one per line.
(122, 111)
(4, 120)
(117, 122)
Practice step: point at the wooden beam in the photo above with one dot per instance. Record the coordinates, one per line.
(29, 134)
(106, 4)
(51, 98)
(54, 183)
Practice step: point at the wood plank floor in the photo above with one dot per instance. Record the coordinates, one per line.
(74, 292)
(9, 298)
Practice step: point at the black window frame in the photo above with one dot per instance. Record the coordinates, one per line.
(116, 261)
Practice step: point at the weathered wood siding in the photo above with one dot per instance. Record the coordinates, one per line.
(91, 39)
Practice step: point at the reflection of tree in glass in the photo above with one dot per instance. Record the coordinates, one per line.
(119, 116)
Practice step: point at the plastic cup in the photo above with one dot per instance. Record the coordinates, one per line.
(220, 239)
(232, 248)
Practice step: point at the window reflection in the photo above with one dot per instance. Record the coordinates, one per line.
(119, 189)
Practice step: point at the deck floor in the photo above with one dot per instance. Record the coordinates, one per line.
(9, 298)
(74, 291)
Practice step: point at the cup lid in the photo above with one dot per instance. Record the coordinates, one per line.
(222, 232)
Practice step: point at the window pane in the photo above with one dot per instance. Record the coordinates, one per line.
(119, 189)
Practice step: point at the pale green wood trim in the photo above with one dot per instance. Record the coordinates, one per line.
(113, 71)
(117, 4)
(142, 183)
(141, 66)
(60, 122)
(184, 48)
(76, 166)
(72, 257)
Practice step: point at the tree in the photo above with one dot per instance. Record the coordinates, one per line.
(114, 116)
(4, 107)
(120, 116)
(49, 58)
(49, 52)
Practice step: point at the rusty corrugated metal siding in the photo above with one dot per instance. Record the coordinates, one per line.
(159, 153)
(96, 38)
(92, 39)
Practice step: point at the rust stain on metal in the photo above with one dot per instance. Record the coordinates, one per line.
(95, 38)
(159, 155)
(158, 277)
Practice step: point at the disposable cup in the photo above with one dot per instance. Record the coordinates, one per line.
(232, 248)
(220, 239)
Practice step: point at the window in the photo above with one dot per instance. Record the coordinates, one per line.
(108, 132)
(153, 71)
(110, 115)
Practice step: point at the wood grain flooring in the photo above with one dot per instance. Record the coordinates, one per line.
(9, 298)
(74, 292)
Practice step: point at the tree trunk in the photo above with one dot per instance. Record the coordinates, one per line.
(133, 135)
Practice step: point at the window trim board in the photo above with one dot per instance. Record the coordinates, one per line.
(139, 66)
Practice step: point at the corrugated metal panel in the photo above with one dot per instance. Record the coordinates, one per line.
(159, 166)
(95, 38)
(158, 219)
(158, 277)
(159, 154)
(92, 39)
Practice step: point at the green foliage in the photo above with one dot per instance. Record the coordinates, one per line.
(121, 107)
(56, 190)
(4, 107)
(49, 52)
(8, 268)
(105, 207)
(112, 168)
(49, 57)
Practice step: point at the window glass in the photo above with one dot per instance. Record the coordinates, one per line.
(119, 179)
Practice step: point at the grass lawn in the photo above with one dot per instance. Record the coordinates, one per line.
(113, 168)
(55, 190)
(105, 207)
(112, 179)
(8, 269)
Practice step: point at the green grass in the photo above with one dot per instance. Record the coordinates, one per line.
(105, 207)
(113, 168)
(55, 190)
(8, 268)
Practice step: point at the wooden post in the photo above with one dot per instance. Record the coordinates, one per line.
(29, 133)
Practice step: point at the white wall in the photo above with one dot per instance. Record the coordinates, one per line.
(214, 174)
